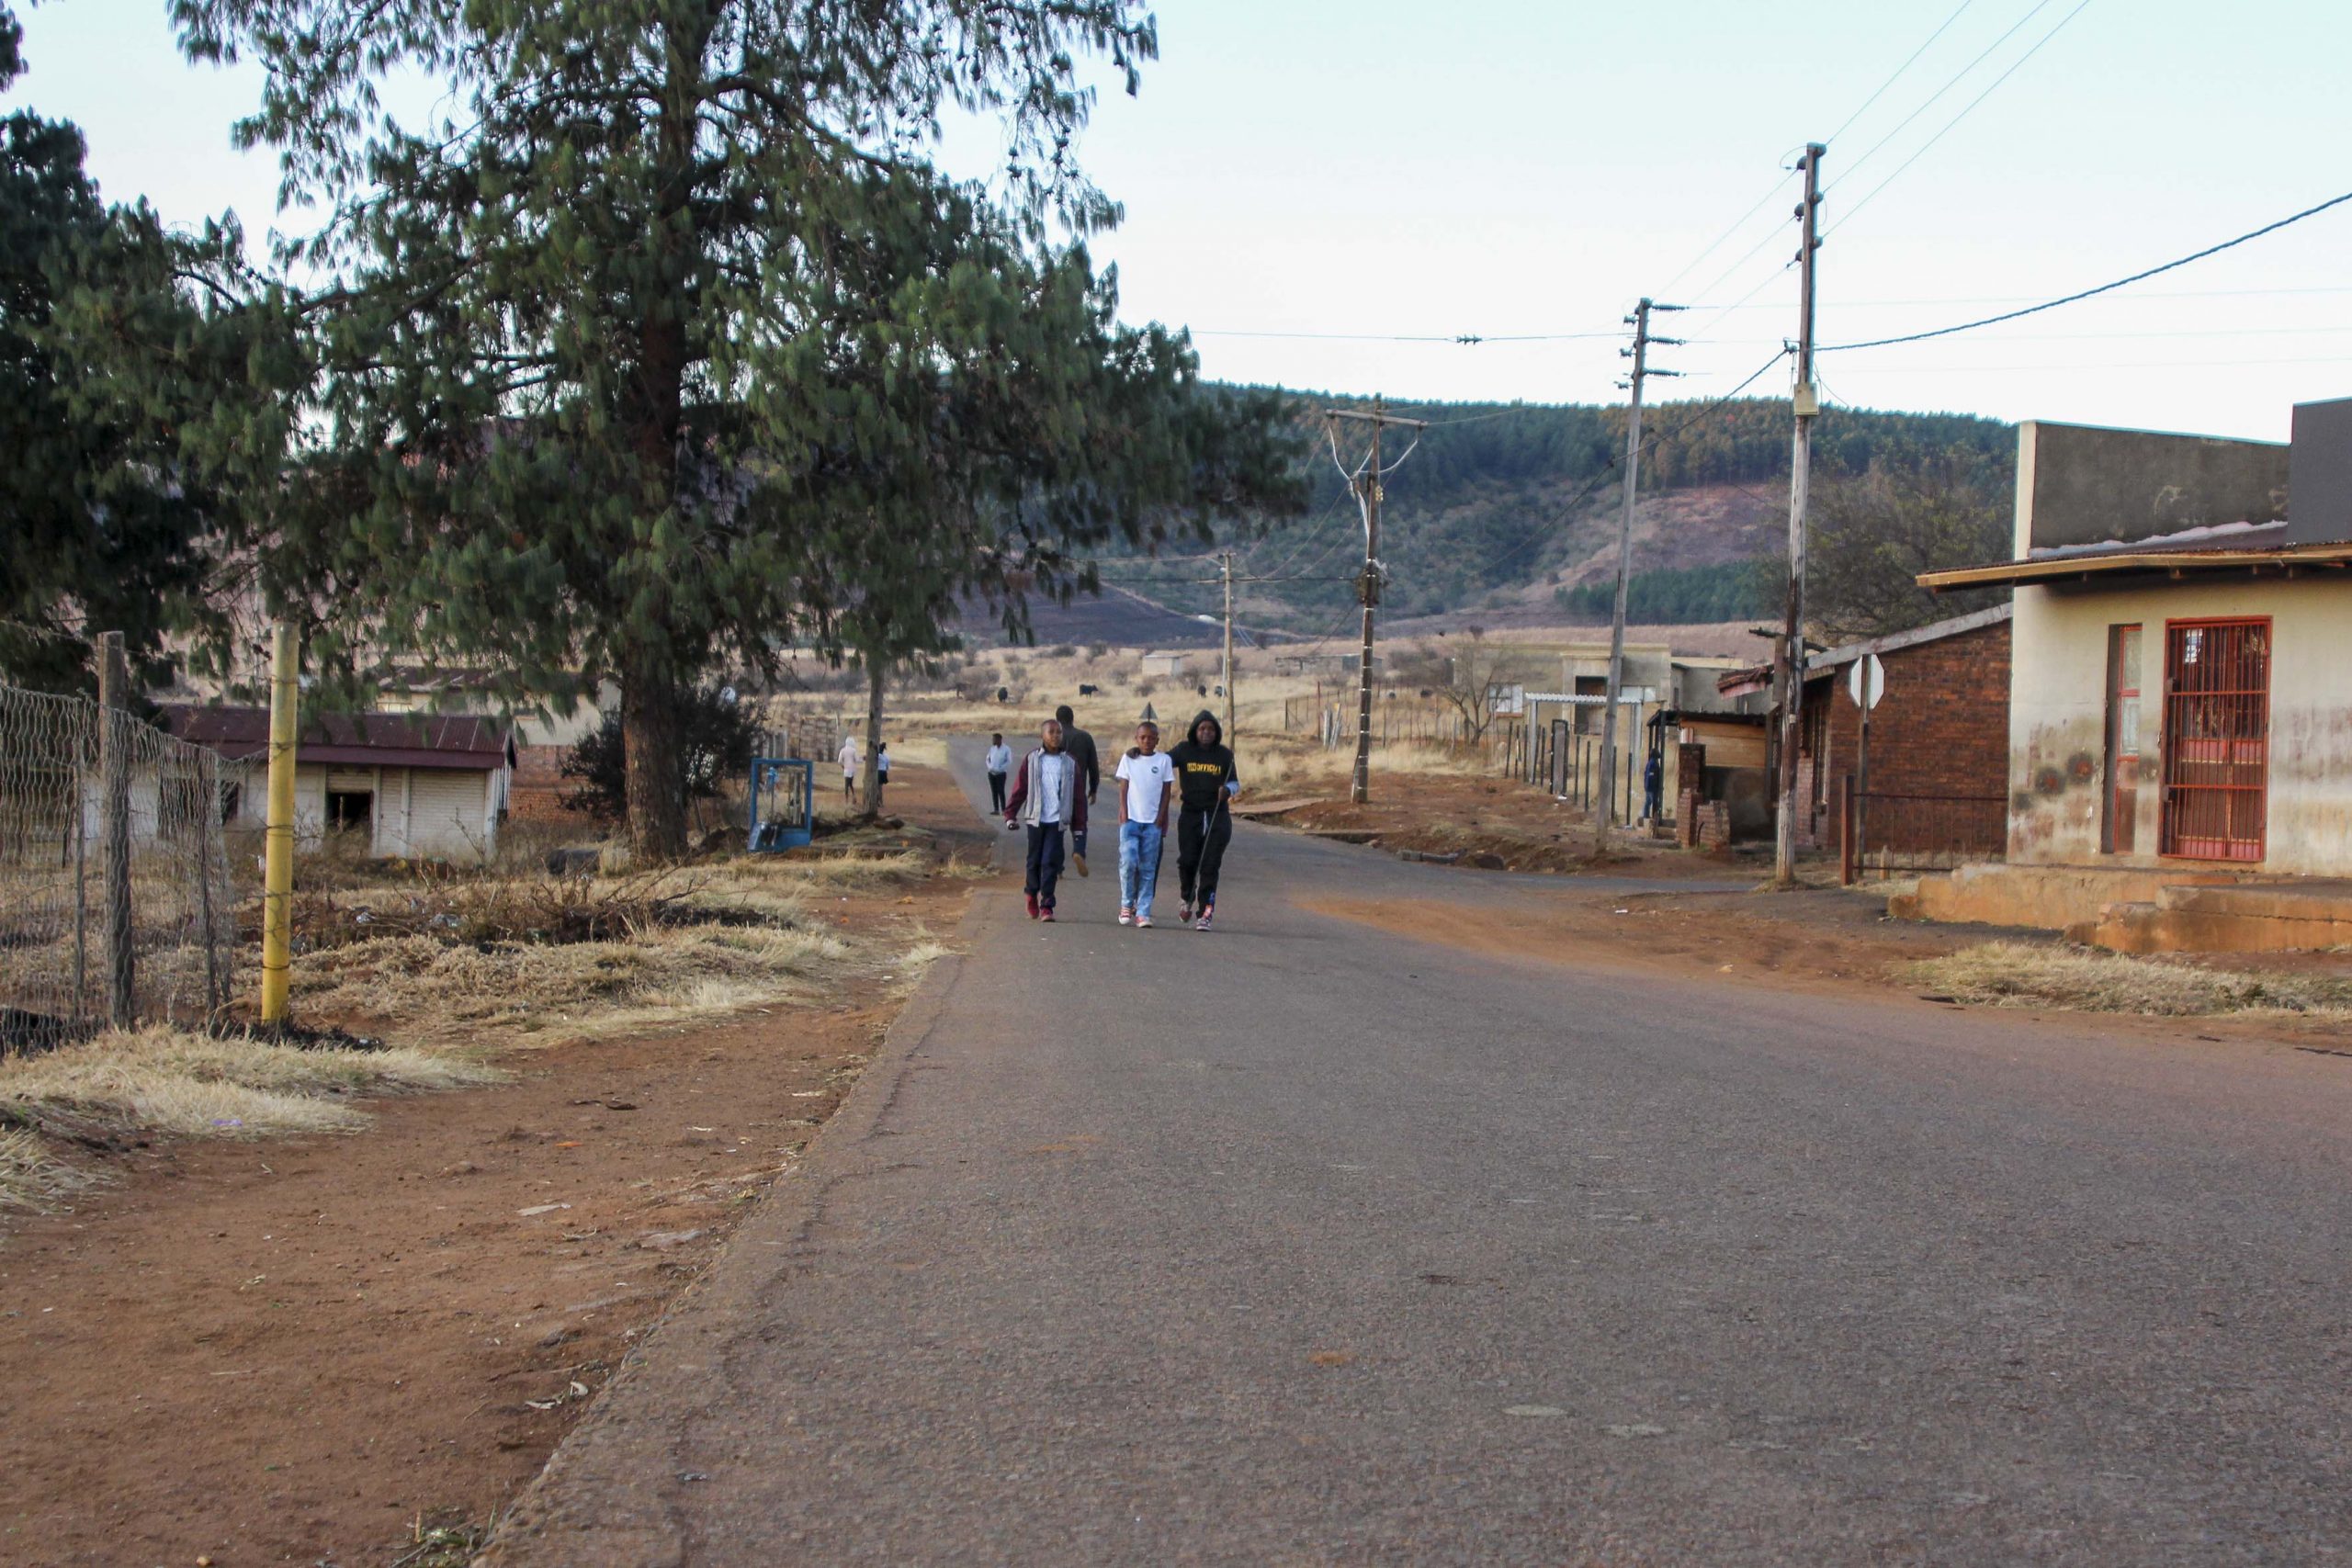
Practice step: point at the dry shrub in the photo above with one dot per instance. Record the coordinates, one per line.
(30, 1178)
(2015, 973)
(497, 908)
(426, 988)
(201, 1085)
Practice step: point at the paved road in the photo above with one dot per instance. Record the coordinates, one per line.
(1296, 1242)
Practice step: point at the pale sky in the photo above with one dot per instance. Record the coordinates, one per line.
(1504, 168)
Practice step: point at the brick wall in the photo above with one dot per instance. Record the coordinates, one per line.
(1942, 729)
(539, 786)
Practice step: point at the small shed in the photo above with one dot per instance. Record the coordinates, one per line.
(406, 785)
(1171, 665)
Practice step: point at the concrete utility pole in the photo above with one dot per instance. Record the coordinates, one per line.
(1365, 482)
(1224, 559)
(1640, 322)
(1807, 403)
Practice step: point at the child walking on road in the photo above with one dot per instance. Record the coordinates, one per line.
(1047, 799)
(1205, 783)
(1149, 780)
(998, 763)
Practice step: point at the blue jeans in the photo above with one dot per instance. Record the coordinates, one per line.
(1138, 864)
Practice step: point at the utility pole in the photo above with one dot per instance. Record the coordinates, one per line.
(1807, 403)
(1226, 558)
(1640, 322)
(1364, 479)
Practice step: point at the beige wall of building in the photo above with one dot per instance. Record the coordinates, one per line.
(2058, 715)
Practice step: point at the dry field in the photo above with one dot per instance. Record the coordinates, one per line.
(336, 1300)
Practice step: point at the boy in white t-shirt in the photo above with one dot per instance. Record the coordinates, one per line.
(1149, 787)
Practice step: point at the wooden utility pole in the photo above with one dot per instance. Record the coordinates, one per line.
(114, 827)
(1225, 560)
(1365, 480)
(1640, 322)
(1807, 403)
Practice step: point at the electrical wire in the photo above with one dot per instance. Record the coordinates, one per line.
(1847, 215)
(2088, 293)
(1883, 86)
(1957, 77)
(1737, 224)
(1454, 339)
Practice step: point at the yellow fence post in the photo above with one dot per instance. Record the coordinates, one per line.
(278, 842)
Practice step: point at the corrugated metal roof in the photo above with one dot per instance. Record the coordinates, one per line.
(365, 739)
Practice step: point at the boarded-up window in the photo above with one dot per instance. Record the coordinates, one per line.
(2217, 738)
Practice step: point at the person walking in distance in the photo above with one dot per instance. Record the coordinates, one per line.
(881, 768)
(1046, 799)
(1080, 747)
(998, 763)
(850, 760)
(1652, 787)
(1205, 783)
(1149, 780)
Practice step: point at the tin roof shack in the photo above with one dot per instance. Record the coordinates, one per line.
(397, 785)
(2178, 713)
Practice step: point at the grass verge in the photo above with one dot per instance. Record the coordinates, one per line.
(2013, 973)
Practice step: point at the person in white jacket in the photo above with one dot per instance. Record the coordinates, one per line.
(998, 763)
(851, 758)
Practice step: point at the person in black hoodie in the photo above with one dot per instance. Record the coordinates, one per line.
(1205, 785)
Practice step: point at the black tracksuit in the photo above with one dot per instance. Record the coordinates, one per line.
(1204, 820)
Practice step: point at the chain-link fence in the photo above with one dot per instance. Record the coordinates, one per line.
(117, 890)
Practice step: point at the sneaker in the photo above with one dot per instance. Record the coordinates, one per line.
(1126, 913)
(1032, 904)
(1049, 915)
(1201, 924)
(1079, 861)
(1184, 915)
(1143, 922)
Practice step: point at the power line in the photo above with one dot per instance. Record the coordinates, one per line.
(1737, 224)
(2102, 288)
(1899, 70)
(1460, 339)
(1955, 81)
(1963, 114)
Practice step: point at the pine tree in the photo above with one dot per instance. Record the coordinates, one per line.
(672, 346)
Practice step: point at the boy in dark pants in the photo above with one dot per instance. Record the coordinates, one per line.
(1047, 797)
(1205, 783)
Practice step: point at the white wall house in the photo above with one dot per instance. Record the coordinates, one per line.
(406, 785)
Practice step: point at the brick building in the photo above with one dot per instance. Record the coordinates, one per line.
(1939, 750)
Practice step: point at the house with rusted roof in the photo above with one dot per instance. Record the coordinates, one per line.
(392, 784)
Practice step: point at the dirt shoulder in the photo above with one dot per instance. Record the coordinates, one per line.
(300, 1350)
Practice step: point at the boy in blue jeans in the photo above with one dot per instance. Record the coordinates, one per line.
(1148, 784)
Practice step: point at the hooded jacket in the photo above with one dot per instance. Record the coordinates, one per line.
(1202, 772)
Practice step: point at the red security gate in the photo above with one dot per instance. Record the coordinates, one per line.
(2217, 738)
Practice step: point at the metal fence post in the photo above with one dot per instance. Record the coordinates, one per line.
(1846, 846)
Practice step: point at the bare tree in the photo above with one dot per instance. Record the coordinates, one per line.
(1468, 672)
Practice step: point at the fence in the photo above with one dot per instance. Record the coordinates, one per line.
(1393, 723)
(1883, 832)
(118, 896)
(1564, 763)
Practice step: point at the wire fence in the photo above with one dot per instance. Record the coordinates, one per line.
(117, 882)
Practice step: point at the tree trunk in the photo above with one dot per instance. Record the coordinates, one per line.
(653, 765)
(872, 792)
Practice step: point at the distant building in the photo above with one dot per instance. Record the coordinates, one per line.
(403, 785)
(1167, 665)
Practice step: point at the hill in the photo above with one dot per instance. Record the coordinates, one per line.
(1502, 505)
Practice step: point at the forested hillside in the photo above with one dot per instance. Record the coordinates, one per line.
(1512, 507)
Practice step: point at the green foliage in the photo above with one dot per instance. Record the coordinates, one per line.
(715, 740)
(1726, 591)
(100, 518)
(671, 347)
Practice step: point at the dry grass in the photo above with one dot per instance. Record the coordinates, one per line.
(31, 1179)
(1290, 768)
(2011, 974)
(442, 994)
(198, 1086)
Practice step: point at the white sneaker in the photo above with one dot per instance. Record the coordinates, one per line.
(1142, 921)
(1126, 913)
